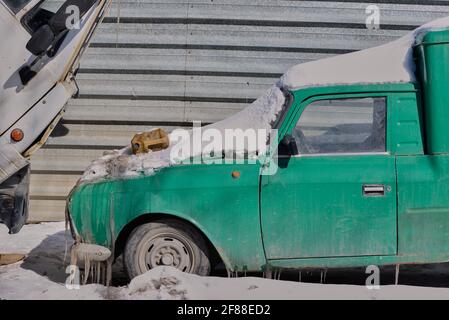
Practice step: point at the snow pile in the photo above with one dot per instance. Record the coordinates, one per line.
(390, 63)
(170, 283)
(122, 163)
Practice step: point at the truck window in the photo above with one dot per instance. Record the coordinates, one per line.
(40, 15)
(342, 126)
(16, 5)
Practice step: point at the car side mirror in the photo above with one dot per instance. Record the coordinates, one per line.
(288, 146)
(41, 40)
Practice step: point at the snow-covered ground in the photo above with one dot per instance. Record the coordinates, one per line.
(42, 276)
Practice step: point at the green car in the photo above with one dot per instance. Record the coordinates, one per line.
(355, 172)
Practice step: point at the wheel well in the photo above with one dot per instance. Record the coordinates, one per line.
(120, 242)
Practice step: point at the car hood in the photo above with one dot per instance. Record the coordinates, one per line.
(122, 164)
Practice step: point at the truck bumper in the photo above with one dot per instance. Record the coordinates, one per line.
(14, 200)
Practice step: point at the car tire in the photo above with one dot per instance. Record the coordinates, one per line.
(166, 243)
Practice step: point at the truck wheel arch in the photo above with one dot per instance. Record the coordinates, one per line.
(120, 242)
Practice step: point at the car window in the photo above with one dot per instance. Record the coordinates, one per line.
(342, 126)
(16, 5)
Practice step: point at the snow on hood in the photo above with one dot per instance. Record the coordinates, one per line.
(389, 63)
(123, 163)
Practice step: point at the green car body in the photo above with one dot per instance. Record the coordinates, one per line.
(313, 212)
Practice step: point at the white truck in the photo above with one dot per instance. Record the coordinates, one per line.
(41, 44)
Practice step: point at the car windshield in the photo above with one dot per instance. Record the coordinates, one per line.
(16, 5)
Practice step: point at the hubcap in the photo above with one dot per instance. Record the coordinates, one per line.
(169, 250)
(167, 259)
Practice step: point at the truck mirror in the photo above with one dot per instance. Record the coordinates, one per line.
(288, 146)
(41, 40)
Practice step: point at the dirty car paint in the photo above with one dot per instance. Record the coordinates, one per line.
(225, 209)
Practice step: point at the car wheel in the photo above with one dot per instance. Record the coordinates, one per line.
(166, 243)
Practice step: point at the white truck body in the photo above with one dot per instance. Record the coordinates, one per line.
(34, 87)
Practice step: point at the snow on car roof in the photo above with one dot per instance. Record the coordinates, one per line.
(389, 63)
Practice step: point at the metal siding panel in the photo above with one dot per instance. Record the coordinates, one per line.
(237, 35)
(154, 60)
(60, 160)
(99, 136)
(310, 11)
(171, 62)
(148, 111)
(46, 210)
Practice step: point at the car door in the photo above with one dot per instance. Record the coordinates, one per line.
(337, 197)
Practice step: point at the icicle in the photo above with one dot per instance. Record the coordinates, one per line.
(98, 274)
(268, 273)
(321, 276)
(73, 256)
(300, 275)
(73, 261)
(66, 245)
(325, 274)
(103, 274)
(96, 259)
(92, 271)
(86, 269)
(396, 278)
(109, 270)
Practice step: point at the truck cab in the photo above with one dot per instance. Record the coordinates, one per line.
(42, 42)
(361, 177)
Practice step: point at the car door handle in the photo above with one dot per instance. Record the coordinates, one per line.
(373, 190)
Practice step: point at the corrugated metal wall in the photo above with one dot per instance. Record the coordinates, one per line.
(168, 62)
